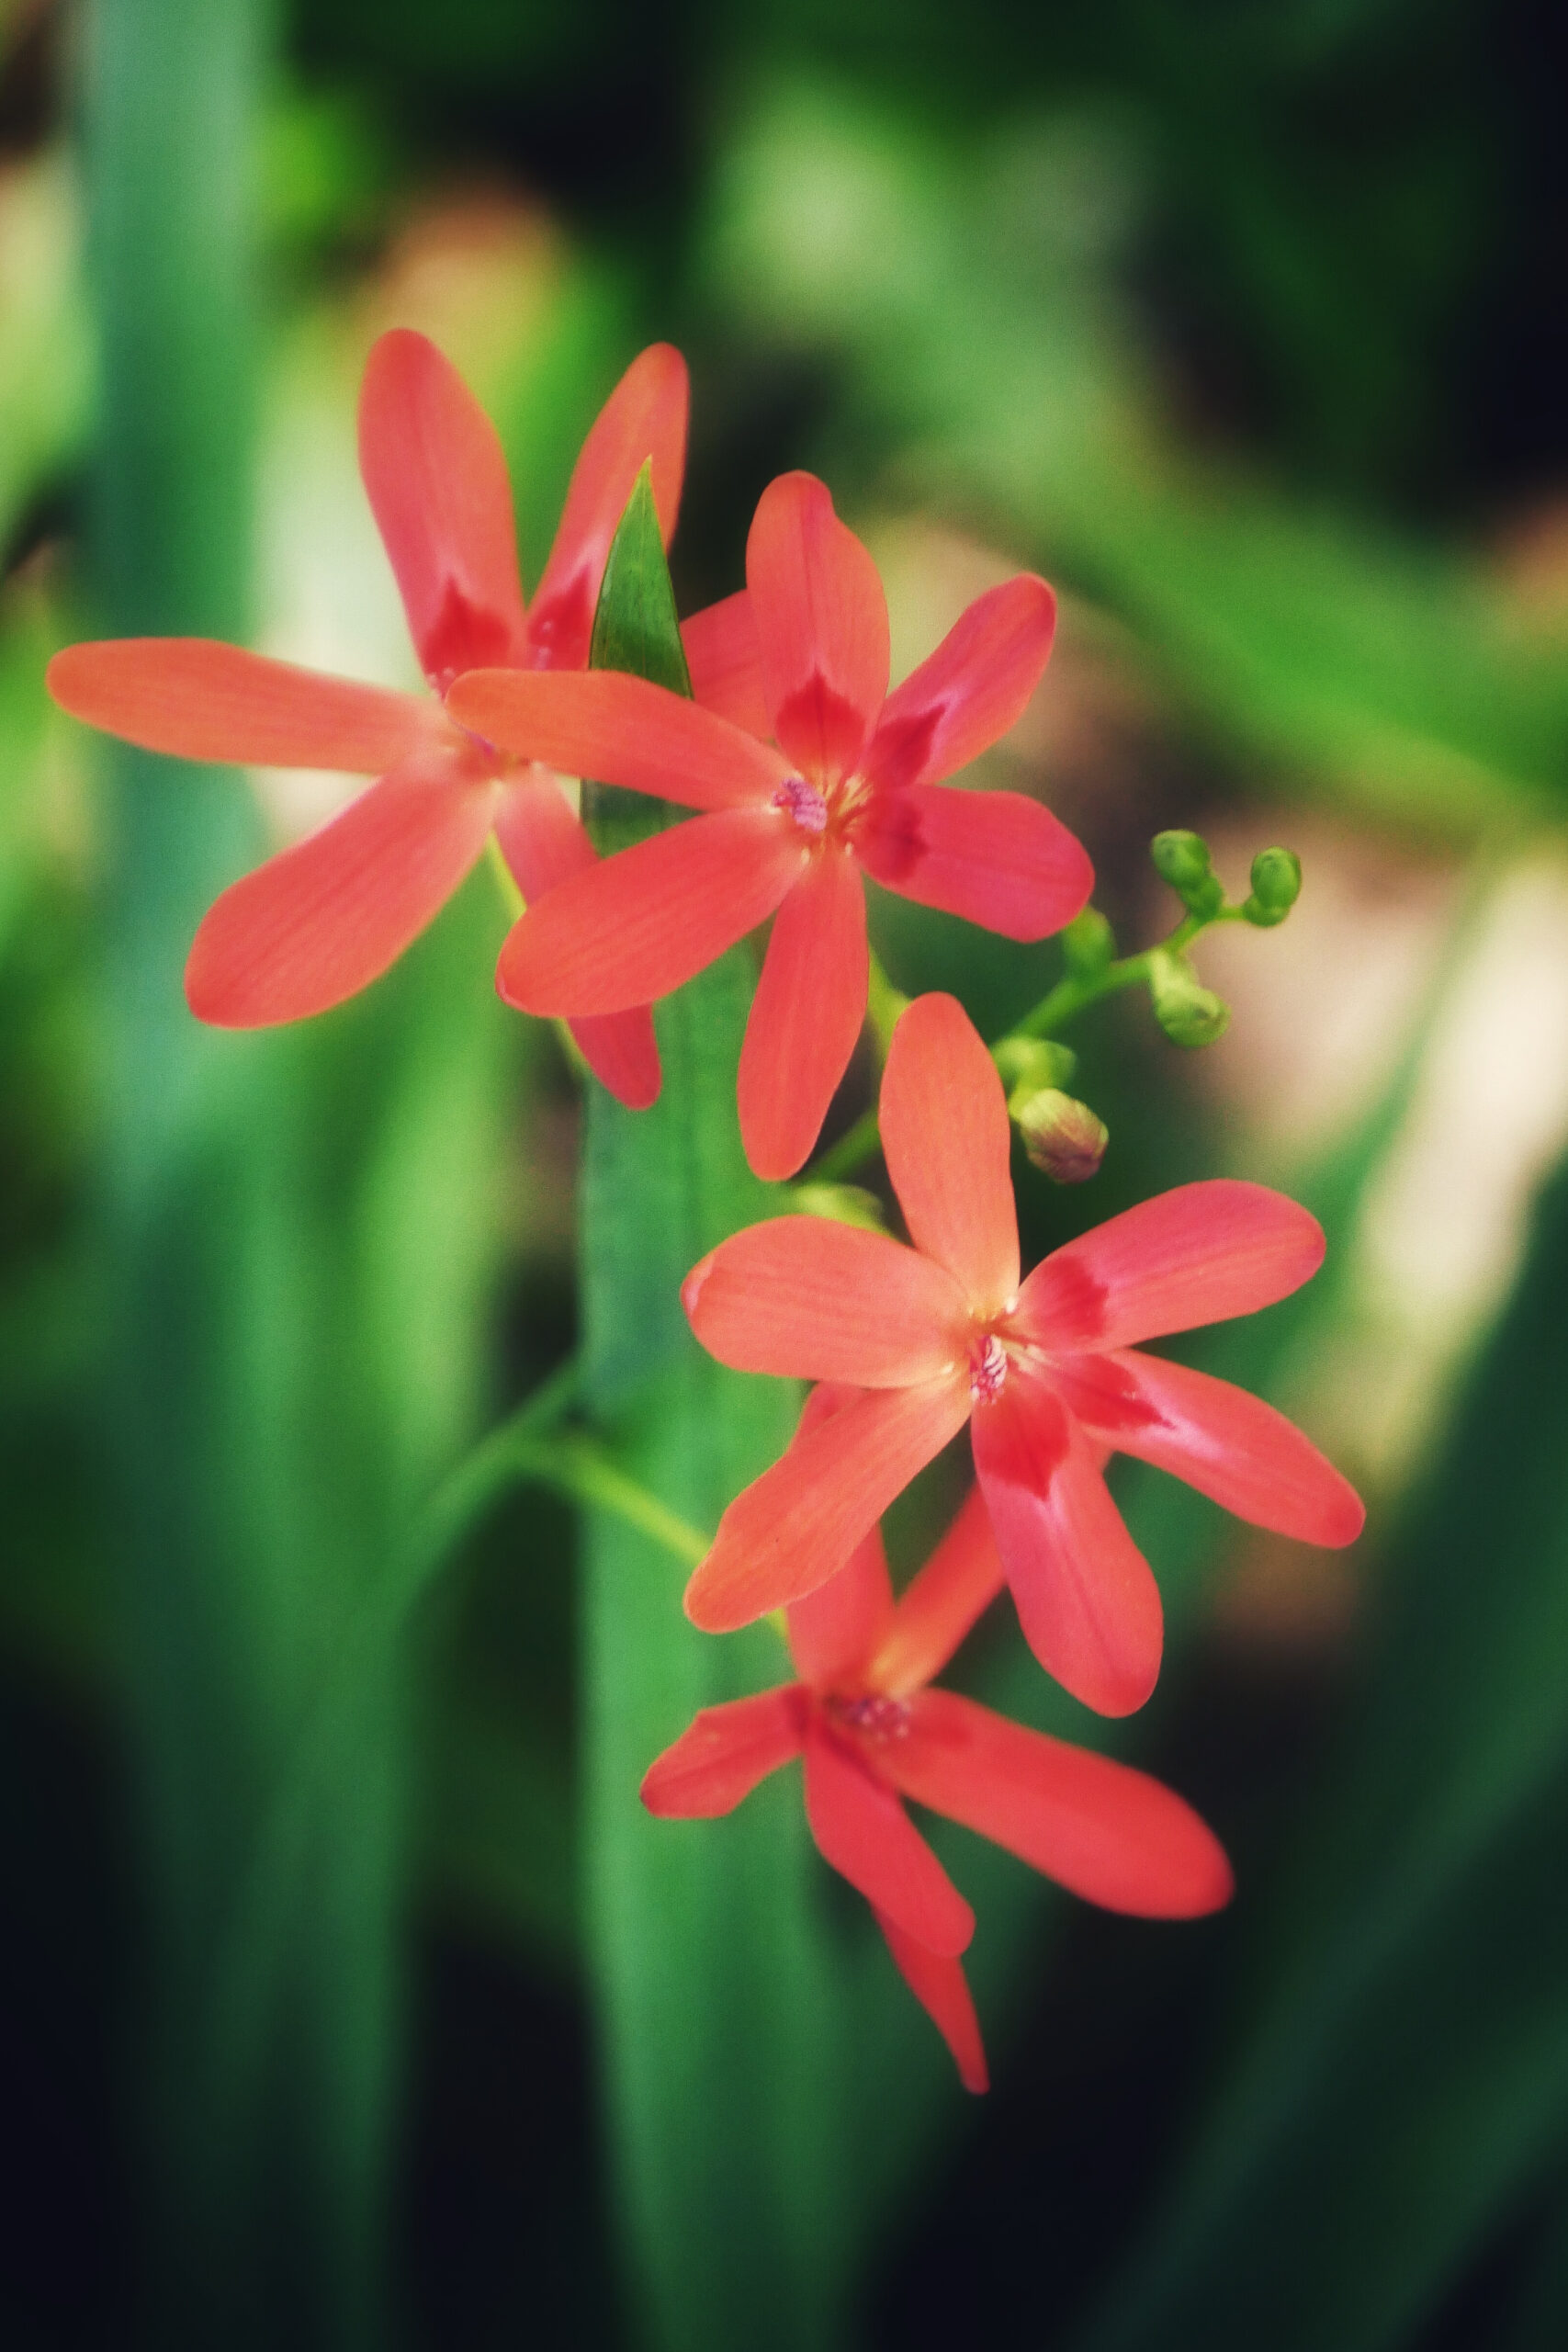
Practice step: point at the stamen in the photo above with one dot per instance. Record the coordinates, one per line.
(874, 1717)
(804, 802)
(987, 1369)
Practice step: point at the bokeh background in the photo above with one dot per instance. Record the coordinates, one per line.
(1247, 327)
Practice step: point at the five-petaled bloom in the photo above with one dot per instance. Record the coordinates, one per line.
(944, 1333)
(853, 782)
(324, 917)
(871, 1734)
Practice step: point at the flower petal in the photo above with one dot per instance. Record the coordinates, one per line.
(620, 730)
(796, 1526)
(644, 419)
(997, 858)
(808, 1298)
(970, 691)
(1088, 1606)
(863, 1831)
(725, 663)
(436, 479)
(942, 1991)
(805, 1017)
(723, 1754)
(948, 1145)
(834, 1631)
(319, 922)
(545, 842)
(821, 627)
(1116, 1836)
(196, 699)
(962, 1578)
(1227, 1443)
(1195, 1255)
(647, 918)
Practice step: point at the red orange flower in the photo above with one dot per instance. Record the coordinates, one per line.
(871, 1734)
(318, 923)
(1043, 1371)
(854, 783)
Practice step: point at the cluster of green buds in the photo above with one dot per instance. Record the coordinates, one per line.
(1061, 1135)
(1190, 1013)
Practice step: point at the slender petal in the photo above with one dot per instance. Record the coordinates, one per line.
(942, 1991)
(315, 924)
(1114, 1836)
(863, 1830)
(808, 1298)
(620, 730)
(1088, 1606)
(722, 1754)
(1228, 1444)
(201, 700)
(947, 1142)
(821, 627)
(962, 1578)
(970, 691)
(997, 858)
(544, 841)
(646, 920)
(834, 1631)
(805, 1017)
(725, 663)
(1195, 1255)
(644, 419)
(796, 1526)
(436, 479)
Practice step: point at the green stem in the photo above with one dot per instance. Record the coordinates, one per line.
(1073, 994)
(712, 1976)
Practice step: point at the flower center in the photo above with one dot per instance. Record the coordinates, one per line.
(804, 802)
(874, 1717)
(987, 1369)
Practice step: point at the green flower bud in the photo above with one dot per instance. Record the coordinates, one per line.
(1062, 1136)
(1088, 943)
(1190, 1013)
(841, 1203)
(1027, 1064)
(1276, 886)
(1182, 859)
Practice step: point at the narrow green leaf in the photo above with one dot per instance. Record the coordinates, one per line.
(1405, 2066)
(635, 627)
(713, 1979)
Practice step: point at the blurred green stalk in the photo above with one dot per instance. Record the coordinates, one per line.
(266, 2128)
(714, 1985)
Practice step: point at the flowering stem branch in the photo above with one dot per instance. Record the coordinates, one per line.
(1075, 991)
(1072, 994)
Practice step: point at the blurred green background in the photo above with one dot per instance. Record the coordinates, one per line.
(344, 2000)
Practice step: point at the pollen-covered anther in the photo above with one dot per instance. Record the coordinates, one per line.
(804, 802)
(987, 1369)
(874, 1716)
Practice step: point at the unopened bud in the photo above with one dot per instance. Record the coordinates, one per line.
(1088, 943)
(1182, 859)
(1190, 1013)
(1276, 886)
(1061, 1135)
(841, 1203)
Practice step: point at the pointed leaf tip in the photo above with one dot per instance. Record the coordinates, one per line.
(635, 627)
